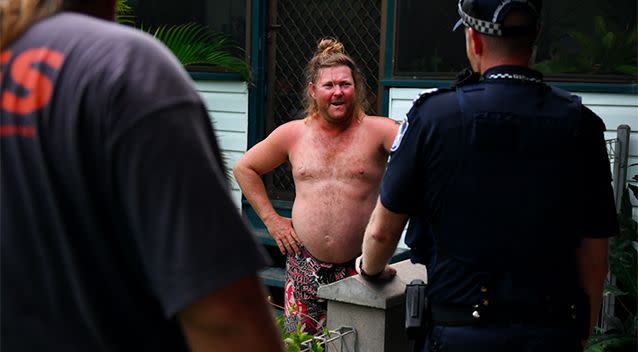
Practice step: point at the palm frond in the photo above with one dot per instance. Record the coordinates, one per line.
(193, 43)
(124, 13)
(123, 7)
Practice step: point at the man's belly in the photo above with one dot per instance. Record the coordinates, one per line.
(331, 225)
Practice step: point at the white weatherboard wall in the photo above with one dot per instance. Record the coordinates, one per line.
(614, 109)
(227, 105)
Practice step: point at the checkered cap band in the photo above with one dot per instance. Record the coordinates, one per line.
(514, 76)
(481, 26)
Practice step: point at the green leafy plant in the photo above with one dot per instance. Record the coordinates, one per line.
(606, 52)
(124, 13)
(298, 339)
(295, 339)
(623, 263)
(191, 43)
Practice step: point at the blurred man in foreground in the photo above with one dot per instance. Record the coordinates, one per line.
(118, 232)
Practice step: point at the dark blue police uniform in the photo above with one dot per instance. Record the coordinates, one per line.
(492, 175)
(502, 177)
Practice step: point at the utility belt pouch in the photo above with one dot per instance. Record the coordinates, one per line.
(416, 307)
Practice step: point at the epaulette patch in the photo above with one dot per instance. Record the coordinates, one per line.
(424, 94)
(399, 136)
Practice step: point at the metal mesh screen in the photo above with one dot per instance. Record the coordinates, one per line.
(299, 26)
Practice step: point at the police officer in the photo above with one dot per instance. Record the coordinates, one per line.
(506, 183)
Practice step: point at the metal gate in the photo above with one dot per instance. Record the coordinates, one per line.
(293, 32)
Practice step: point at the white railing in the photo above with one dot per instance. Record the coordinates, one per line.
(341, 339)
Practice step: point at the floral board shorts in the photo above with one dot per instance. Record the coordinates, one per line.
(304, 274)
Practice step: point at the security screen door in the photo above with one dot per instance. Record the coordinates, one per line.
(294, 29)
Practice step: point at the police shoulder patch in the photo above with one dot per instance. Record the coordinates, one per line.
(424, 94)
(400, 134)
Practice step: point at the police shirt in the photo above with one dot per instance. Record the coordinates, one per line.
(501, 179)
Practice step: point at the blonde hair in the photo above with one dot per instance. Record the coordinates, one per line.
(331, 53)
(18, 15)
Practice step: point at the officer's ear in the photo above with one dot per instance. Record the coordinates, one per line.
(476, 41)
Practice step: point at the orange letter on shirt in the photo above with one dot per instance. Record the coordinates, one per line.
(4, 58)
(37, 84)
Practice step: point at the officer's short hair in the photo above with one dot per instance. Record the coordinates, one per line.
(489, 16)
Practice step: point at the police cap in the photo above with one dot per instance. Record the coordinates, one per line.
(488, 16)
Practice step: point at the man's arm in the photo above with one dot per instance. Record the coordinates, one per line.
(380, 240)
(260, 159)
(592, 269)
(234, 318)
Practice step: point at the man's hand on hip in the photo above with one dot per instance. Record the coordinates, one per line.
(282, 231)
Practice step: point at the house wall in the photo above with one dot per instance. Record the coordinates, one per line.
(227, 105)
(614, 109)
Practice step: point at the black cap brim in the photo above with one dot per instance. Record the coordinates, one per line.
(458, 24)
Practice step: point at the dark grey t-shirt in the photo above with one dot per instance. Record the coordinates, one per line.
(115, 206)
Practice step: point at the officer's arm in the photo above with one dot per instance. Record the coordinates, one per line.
(592, 267)
(381, 237)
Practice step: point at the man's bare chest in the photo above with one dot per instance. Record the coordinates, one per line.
(338, 160)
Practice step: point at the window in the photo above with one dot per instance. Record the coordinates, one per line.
(425, 44)
(584, 41)
(225, 16)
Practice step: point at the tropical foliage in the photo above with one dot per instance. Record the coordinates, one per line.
(299, 340)
(124, 13)
(622, 333)
(191, 43)
(606, 52)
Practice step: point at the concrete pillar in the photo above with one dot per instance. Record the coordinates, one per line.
(376, 310)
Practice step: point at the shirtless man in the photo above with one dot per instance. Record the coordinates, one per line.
(338, 155)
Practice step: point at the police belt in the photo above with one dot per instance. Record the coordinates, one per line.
(458, 315)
